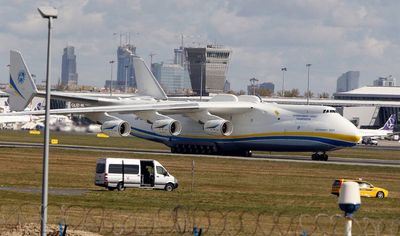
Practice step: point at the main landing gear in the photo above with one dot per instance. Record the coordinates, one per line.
(208, 149)
(319, 156)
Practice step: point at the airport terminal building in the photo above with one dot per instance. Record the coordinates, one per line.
(376, 104)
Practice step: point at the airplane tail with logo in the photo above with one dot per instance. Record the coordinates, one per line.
(389, 125)
(147, 84)
(22, 88)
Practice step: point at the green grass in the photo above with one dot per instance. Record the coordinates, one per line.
(80, 139)
(225, 185)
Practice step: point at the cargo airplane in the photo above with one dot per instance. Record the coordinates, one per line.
(226, 124)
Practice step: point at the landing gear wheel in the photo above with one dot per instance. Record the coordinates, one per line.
(314, 157)
(248, 153)
(120, 186)
(319, 157)
(169, 187)
(380, 194)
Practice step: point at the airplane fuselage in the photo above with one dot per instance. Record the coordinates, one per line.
(268, 127)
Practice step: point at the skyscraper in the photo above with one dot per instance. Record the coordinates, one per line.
(174, 78)
(348, 81)
(125, 70)
(179, 56)
(68, 68)
(207, 68)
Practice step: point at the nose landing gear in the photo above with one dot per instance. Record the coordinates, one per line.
(319, 156)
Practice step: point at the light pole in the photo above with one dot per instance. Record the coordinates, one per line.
(126, 78)
(111, 63)
(308, 83)
(49, 13)
(283, 69)
(201, 80)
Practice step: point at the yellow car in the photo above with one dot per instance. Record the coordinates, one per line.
(366, 189)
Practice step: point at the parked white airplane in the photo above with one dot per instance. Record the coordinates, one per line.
(385, 130)
(10, 121)
(225, 125)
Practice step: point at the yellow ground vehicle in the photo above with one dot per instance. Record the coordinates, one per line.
(366, 189)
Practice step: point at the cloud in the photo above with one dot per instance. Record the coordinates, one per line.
(333, 35)
(374, 47)
(31, 25)
(227, 23)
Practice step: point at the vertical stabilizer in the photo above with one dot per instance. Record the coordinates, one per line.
(22, 89)
(147, 84)
(389, 125)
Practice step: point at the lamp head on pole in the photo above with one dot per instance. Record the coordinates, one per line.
(283, 69)
(48, 12)
(308, 65)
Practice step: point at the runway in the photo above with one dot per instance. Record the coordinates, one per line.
(256, 157)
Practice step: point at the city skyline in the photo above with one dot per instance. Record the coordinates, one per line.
(264, 36)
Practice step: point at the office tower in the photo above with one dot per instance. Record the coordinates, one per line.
(268, 85)
(68, 68)
(125, 69)
(385, 81)
(207, 68)
(174, 79)
(179, 56)
(348, 81)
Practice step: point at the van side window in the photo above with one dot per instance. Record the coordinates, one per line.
(132, 169)
(161, 171)
(100, 168)
(128, 169)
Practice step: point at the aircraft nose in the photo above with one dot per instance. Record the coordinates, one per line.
(354, 133)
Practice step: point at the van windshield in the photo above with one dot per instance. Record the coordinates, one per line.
(100, 168)
(161, 171)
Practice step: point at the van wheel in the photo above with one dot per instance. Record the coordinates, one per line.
(380, 194)
(120, 187)
(169, 187)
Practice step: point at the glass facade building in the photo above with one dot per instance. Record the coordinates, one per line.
(125, 69)
(348, 81)
(68, 67)
(173, 78)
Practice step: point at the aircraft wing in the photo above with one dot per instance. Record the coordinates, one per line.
(218, 108)
(79, 98)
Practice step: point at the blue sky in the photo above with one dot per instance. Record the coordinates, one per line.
(264, 35)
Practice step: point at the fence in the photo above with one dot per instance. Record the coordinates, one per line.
(181, 220)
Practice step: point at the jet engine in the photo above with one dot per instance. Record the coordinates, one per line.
(218, 127)
(167, 127)
(116, 128)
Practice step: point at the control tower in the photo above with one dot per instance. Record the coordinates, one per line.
(207, 68)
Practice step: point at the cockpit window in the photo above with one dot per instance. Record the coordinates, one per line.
(329, 111)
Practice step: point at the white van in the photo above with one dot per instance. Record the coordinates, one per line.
(118, 173)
